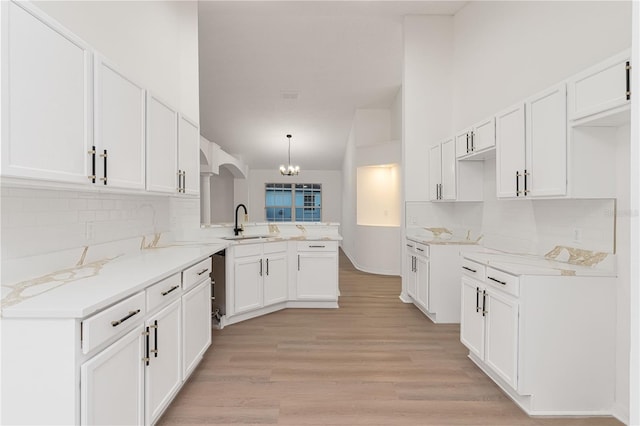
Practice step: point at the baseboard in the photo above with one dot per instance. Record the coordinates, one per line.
(621, 412)
(369, 270)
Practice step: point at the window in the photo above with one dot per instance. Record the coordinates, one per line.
(287, 202)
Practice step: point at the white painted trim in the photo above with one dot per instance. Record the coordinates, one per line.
(369, 270)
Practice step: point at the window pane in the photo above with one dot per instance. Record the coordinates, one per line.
(282, 200)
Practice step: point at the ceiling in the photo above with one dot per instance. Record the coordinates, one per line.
(269, 68)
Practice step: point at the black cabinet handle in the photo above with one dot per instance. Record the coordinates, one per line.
(473, 148)
(93, 164)
(477, 299)
(155, 338)
(484, 303)
(184, 181)
(525, 174)
(202, 272)
(260, 267)
(123, 319)
(467, 142)
(419, 249)
(498, 281)
(317, 246)
(146, 346)
(469, 269)
(628, 70)
(298, 262)
(267, 267)
(104, 157)
(517, 184)
(164, 293)
(179, 181)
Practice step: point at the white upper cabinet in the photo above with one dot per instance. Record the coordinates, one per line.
(435, 172)
(448, 157)
(162, 147)
(510, 151)
(442, 171)
(119, 157)
(476, 140)
(600, 90)
(546, 136)
(188, 157)
(531, 154)
(46, 109)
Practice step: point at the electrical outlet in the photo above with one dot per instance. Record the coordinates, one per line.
(88, 231)
(577, 234)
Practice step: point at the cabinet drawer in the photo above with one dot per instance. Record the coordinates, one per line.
(411, 246)
(110, 322)
(422, 249)
(317, 246)
(473, 269)
(247, 250)
(163, 291)
(503, 281)
(277, 247)
(196, 273)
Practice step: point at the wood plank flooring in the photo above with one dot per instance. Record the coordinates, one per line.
(373, 361)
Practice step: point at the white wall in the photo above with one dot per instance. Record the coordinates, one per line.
(222, 205)
(331, 181)
(370, 143)
(506, 51)
(426, 94)
(154, 42)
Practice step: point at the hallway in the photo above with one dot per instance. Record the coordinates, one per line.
(373, 361)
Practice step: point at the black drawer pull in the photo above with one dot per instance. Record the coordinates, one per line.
(121, 320)
(322, 246)
(419, 249)
(469, 269)
(164, 293)
(203, 271)
(498, 281)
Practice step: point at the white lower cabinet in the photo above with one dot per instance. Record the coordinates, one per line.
(489, 328)
(112, 383)
(196, 326)
(262, 277)
(547, 340)
(317, 275)
(163, 375)
(259, 276)
(417, 274)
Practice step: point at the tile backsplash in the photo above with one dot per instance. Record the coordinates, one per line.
(37, 221)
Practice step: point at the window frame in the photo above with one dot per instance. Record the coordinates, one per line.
(311, 198)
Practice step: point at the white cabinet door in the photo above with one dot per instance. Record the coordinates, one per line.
(510, 151)
(422, 281)
(189, 156)
(501, 352)
(463, 143)
(164, 372)
(600, 88)
(119, 129)
(162, 147)
(448, 170)
(275, 278)
(546, 128)
(317, 276)
(410, 276)
(471, 320)
(196, 325)
(484, 135)
(111, 384)
(435, 172)
(247, 283)
(47, 115)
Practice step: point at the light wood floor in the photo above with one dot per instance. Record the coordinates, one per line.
(373, 361)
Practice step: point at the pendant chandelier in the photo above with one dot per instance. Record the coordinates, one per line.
(289, 169)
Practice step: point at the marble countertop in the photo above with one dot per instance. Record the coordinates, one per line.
(440, 241)
(523, 264)
(89, 285)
